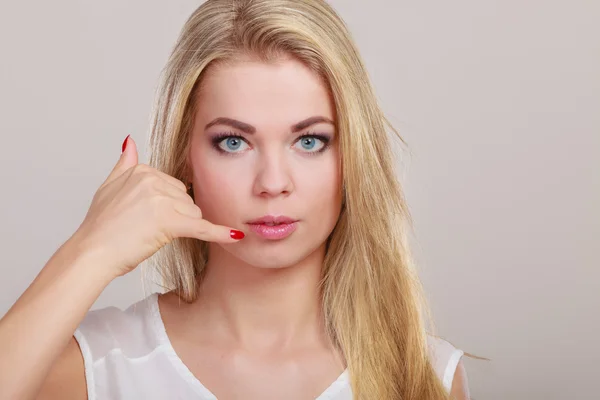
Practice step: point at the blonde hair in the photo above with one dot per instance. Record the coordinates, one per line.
(371, 295)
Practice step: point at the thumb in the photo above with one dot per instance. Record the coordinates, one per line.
(128, 159)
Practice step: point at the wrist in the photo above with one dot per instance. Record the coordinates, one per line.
(82, 255)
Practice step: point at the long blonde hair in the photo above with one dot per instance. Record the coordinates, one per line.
(372, 298)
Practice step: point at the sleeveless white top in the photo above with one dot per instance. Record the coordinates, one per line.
(127, 355)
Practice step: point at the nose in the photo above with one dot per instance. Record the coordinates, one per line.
(273, 177)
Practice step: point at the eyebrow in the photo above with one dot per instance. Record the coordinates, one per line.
(249, 129)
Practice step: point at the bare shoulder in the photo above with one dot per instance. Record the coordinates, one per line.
(66, 379)
(460, 384)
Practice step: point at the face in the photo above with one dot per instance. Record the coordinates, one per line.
(262, 145)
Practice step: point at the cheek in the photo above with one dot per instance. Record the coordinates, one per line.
(218, 190)
(322, 189)
(321, 184)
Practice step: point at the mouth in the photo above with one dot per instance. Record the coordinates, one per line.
(273, 228)
(273, 220)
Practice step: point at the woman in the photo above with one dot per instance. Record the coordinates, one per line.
(301, 285)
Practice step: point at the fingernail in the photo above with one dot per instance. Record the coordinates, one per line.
(124, 145)
(235, 234)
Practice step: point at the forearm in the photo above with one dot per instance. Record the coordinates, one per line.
(39, 325)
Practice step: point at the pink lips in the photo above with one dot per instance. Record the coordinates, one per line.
(273, 228)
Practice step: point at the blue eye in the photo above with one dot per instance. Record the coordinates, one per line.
(310, 142)
(230, 144)
(233, 143)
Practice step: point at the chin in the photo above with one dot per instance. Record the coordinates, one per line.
(270, 258)
(273, 255)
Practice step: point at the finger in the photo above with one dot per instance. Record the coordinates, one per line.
(187, 209)
(175, 193)
(209, 232)
(188, 224)
(173, 181)
(128, 159)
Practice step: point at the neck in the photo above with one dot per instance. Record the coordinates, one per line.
(262, 307)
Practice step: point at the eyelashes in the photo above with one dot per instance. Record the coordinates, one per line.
(218, 138)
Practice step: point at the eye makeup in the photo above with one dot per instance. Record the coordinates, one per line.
(218, 138)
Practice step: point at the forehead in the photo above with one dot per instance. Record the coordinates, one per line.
(263, 94)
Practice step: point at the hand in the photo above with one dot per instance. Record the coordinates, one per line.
(138, 210)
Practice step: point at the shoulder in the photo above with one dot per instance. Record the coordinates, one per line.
(103, 333)
(111, 329)
(445, 359)
(110, 340)
(460, 384)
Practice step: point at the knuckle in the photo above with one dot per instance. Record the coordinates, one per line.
(181, 185)
(158, 204)
(197, 211)
(142, 171)
(159, 200)
(148, 179)
(138, 168)
(202, 229)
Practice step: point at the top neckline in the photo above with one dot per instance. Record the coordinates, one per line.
(159, 327)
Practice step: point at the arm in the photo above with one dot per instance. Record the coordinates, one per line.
(460, 384)
(66, 380)
(36, 335)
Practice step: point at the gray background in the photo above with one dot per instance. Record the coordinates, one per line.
(500, 104)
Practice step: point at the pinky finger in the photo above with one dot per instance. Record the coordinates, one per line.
(209, 232)
(187, 222)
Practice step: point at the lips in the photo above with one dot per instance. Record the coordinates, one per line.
(273, 228)
(273, 220)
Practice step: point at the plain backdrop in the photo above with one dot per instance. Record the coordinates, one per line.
(499, 102)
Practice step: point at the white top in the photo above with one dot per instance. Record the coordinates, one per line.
(128, 355)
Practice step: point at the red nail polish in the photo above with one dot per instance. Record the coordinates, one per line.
(124, 145)
(235, 234)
